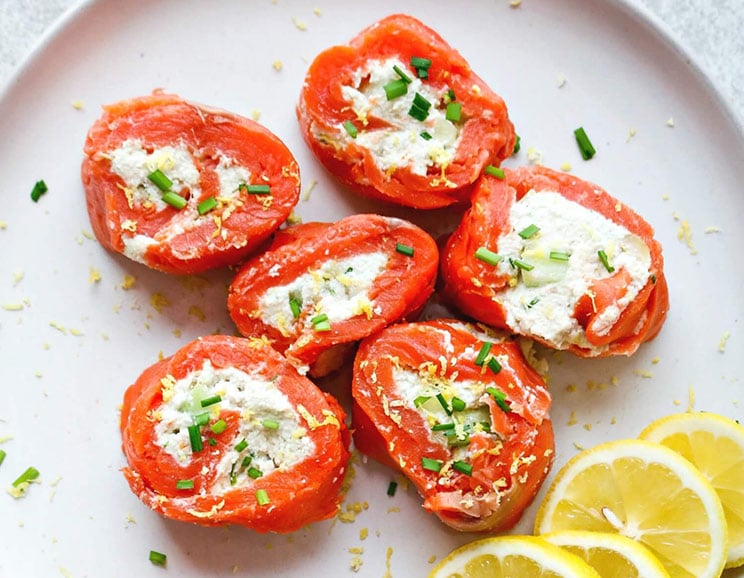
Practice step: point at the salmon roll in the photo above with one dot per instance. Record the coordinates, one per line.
(549, 256)
(459, 411)
(226, 432)
(321, 287)
(398, 115)
(183, 188)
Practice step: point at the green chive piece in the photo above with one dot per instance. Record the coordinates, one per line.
(457, 404)
(457, 442)
(421, 400)
(494, 365)
(207, 401)
(174, 200)
(403, 76)
(319, 318)
(40, 187)
(206, 205)
(404, 249)
(185, 485)
(420, 108)
(425, 135)
(350, 128)
(218, 427)
(444, 404)
(463, 467)
(162, 182)
(254, 473)
(451, 95)
(241, 445)
(487, 256)
(442, 427)
(529, 231)
(559, 255)
(246, 462)
(586, 148)
(322, 326)
(605, 261)
(420, 62)
(521, 265)
(421, 102)
(295, 306)
(653, 279)
(517, 145)
(395, 89)
(483, 353)
(270, 424)
(453, 112)
(534, 301)
(499, 397)
(29, 475)
(158, 558)
(212, 442)
(255, 189)
(262, 497)
(195, 439)
(392, 486)
(431, 465)
(495, 171)
(2, 456)
(201, 419)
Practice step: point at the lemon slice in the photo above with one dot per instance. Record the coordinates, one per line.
(715, 446)
(611, 555)
(512, 556)
(647, 492)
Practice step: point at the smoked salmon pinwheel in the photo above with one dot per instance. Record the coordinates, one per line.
(182, 187)
(547, 255)
(226, 432)
(321, 287)
(398, 115)
(458, 410)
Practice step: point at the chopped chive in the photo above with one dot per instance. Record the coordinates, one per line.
(420, 400)
(431, 465)
(158, 178)
(241, 445)
(605, 260)
(453, 440)
(521, 264)
(254, 473)
(487, 256)
(350, 128)
(453, 112)
(2, 456)
(206, 205)
(262, 497)
(421, 102)
(495, 171)
(403, 76)
(255, 189)
(158, 558)
(420, 108)
(395, 89)
(233, 474)
(457, 404)
(319, 318)
(212, 442)
(295, 306)
(463, 467)
(185, 485)
(29, 475)
(425, 135)
(270, 424)
(534, 301)
(174, 200)
(201, 419)
(442, 426)
(499, 397)
(529, 231)
(517, 145)
(559, 255)
(218, 427)
(207, 401)
(322, 326)
(444, 404)
(246, 462)
(585, 145)
(40, 187)
(483, 353)
(195, 439)
(420, 62)
(392, 486)
(493, 365)
(451, 95)
(404, 249)
(653, 278)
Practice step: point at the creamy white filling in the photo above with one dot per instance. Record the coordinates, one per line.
(231, 176)
(136, 247)
(339, 288)
(542, 301)
(256, 399)
(400, 144)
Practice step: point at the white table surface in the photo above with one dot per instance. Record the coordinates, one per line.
(709, 31)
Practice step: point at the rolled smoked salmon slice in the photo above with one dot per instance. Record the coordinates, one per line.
(321, 287)
(458, 410)
(182, 187)
(549, 256)
(398, 115)
(227, 432)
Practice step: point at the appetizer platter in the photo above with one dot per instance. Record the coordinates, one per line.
(357, 290)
